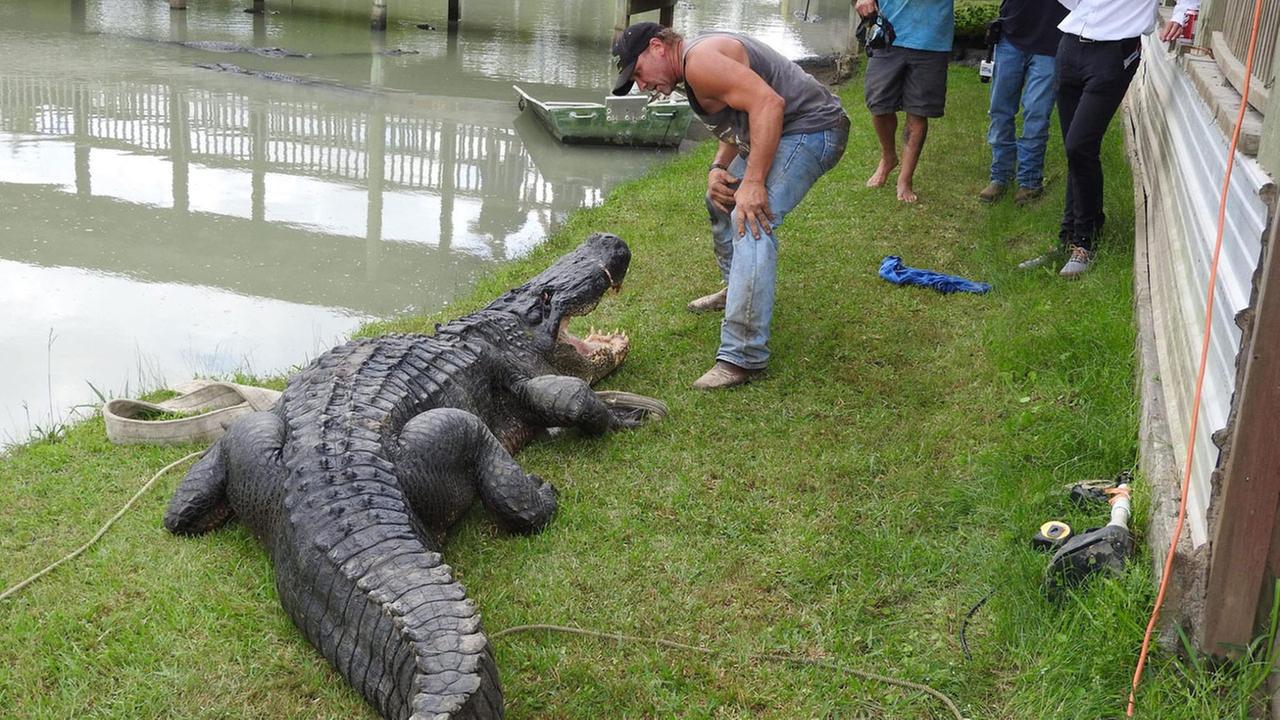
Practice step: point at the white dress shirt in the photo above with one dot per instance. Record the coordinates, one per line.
(1117, 19)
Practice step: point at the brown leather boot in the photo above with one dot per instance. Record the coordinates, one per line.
(1027, 194)
(707, 303)
(725, 375)
(992, 192)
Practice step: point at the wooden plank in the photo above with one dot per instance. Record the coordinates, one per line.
(1233, 68)
(1250, 495)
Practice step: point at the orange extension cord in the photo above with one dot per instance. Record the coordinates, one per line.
(1204, 354)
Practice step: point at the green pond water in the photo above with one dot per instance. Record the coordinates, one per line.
(163, 216)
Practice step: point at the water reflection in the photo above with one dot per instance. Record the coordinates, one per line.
(163, 219)
(375, 172)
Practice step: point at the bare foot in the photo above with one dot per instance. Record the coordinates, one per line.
(906, 194)
(881, 175)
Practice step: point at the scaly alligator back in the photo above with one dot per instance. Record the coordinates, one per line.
(352, 569)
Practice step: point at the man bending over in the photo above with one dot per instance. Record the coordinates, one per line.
(779, 131)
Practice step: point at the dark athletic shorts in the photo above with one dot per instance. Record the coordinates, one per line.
(901, 78)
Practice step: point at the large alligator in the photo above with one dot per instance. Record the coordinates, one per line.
(352, 480)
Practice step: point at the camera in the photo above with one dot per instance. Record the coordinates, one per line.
(875, 32)
(986, 69)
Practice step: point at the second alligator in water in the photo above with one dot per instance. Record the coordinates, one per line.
(352, 480)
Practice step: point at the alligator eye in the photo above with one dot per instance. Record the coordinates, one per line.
(542, 310)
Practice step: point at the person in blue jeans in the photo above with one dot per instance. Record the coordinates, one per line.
(1024, 74)
(779, 131)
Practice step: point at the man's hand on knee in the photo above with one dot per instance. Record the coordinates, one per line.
(753, 214)
(720, 188)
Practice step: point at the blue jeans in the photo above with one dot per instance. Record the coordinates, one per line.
(1031, 77)
(750, 266)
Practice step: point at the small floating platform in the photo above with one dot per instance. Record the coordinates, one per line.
(628, 120)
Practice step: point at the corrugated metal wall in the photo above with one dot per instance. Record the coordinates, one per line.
(1184, 156)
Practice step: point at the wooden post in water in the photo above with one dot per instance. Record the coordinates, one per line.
(259, 135)
(455, 10)
(179, 148)
(378, 16)
(259, 7)
(177, 4)
(178, 27)
(77, 16)
(375, 155)
(626, 8)
(80, 129)
(259, 28)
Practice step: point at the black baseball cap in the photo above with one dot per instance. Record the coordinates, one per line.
(627, 49)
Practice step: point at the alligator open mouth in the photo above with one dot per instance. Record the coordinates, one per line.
(591, 357)
(595, 344)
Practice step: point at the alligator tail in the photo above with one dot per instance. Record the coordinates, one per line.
(387, 613)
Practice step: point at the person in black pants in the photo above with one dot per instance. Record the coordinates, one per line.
(1093, 77)
(1097, 59)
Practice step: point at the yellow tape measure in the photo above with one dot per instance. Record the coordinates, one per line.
(1052, 533)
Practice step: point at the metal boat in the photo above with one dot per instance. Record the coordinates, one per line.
(627, 120)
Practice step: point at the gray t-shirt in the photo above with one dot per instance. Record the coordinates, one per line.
(809, 105)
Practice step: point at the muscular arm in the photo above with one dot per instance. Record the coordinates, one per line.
(718, 72)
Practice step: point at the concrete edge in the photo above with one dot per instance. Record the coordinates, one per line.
(1184, 600)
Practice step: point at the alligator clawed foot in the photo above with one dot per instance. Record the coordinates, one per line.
(629, 410)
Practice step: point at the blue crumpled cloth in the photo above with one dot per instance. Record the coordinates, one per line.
(892, 269)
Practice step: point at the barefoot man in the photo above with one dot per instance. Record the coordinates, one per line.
(909, 75)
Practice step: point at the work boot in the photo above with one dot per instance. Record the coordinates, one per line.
(707, 303)
(725, 375)
(992, 192)
(1077, 264)
(1027, 194)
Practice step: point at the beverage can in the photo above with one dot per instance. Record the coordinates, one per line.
(1189, 27)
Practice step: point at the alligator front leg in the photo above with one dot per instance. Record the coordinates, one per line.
(565, 401)
(447, 455)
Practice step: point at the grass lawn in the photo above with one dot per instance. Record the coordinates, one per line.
(852, 506)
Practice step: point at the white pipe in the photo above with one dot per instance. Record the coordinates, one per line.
(1120, 506)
